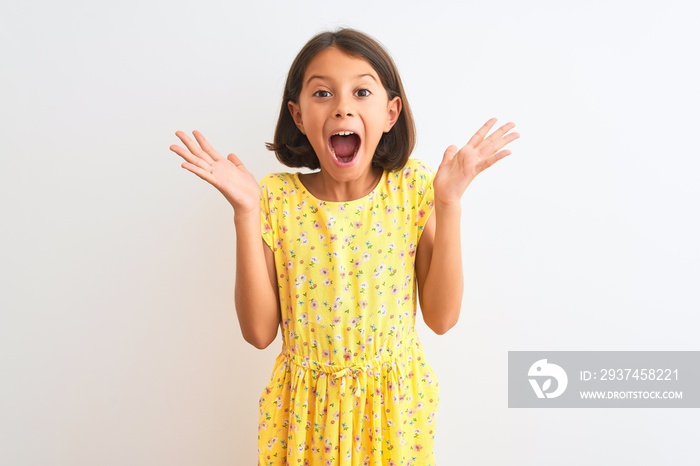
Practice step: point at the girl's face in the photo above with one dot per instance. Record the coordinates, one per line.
(343, 110)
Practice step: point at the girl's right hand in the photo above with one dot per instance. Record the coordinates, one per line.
(228, 175)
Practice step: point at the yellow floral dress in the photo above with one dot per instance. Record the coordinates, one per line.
(351, 385)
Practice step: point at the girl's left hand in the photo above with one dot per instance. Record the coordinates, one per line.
(460, 167)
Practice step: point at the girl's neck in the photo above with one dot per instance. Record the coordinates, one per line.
(322, 186)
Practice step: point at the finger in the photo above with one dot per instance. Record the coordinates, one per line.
(479, 136)
(235, 160)
(500, 155)
(449, 154)
(489, 146)
(501, 131)
(194, 147)
(190, 157)
(495, 158)
(206, 146)
(496, 140)
(203, 174)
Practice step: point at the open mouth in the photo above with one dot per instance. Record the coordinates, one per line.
(344, 146)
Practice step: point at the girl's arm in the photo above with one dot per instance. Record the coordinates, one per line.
(439, 269)
(439, 255)
(257, 302)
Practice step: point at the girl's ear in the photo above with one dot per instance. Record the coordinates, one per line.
(392, 114)
(296, 115)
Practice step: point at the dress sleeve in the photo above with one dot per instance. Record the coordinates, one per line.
(425, 205)
(265, 214)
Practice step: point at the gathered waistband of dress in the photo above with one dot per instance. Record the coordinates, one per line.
(338, 371)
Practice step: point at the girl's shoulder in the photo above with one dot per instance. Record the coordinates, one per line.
(414, 170)
(417, 166)
(279, 180)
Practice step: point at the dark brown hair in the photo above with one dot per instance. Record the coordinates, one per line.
(293, 148)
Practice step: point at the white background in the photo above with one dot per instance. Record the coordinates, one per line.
(119, 343)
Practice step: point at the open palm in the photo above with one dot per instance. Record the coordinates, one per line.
(228, 175)
(460, 167)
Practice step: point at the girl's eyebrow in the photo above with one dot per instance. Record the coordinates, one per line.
(325, 78)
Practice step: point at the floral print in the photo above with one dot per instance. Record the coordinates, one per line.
(351, 385)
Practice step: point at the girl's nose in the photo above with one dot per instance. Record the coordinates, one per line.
(344, 109)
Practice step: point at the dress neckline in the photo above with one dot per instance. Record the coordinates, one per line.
(369, 195)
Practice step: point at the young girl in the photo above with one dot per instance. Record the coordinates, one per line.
(335, 257)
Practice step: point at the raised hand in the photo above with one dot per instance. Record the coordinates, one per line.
(228, 175)
(460, 167)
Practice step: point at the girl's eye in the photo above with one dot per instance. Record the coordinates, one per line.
(363, 93)
(322, 94)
